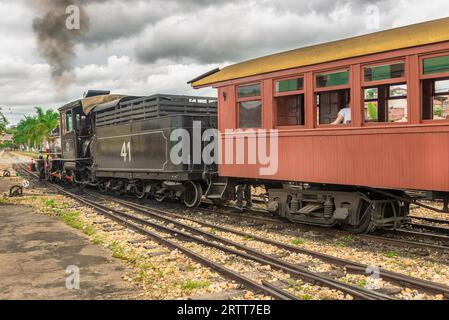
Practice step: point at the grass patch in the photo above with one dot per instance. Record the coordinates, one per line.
(391, 254)
(346, 241)
(73, 219)
(298, 242)
(119, 252)
(50, 203)
(362, 283)
(191, 285)
(97, 240)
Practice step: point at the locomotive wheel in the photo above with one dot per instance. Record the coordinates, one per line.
(193, 194)
(102, 186)
(139, 191)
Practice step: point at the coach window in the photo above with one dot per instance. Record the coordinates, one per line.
(289, 102)
(333, 95)
(249, 99)
(385, 93)
(435, 88)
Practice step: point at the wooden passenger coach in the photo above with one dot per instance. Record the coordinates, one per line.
(359, 121)
(396, 83)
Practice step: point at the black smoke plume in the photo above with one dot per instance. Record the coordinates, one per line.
(56, 43)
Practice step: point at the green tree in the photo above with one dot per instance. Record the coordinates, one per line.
(33, 131)
(3, 123)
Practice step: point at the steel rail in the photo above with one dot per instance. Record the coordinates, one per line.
(252, 254)
(432, 220)
(350, 265)
(230, 274)
(368, 237)
(440, 230)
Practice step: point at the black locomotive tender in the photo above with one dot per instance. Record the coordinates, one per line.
(122, 144)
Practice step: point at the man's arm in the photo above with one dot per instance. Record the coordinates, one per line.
(339, 119)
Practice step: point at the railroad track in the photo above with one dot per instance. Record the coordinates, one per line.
(437, 229)
(260, 216)
(347, 264)
(143, 217)
(152, 224)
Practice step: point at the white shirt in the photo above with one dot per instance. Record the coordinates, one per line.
(346, 114)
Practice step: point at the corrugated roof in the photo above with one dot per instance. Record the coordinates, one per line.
(400, 38)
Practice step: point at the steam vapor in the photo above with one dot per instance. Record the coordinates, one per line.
(56, 43)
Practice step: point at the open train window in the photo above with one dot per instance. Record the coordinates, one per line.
(333, 98)
(289, 102)
(436, 99)
(249, 104)
(385, 93)
(386, 103)
(435, 88)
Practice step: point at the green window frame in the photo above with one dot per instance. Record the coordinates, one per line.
(288, 85)
(384, 72)
(249, 91)
(436, 65)
(332, 79)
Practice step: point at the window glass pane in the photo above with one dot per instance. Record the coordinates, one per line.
(441, 86)
(332, 79)
(398, 91)
(250, 114)
(289, 85)
(397, 110)
(436, 65)
(290, 110)
(249, 91)
(379, 73)
(69, 122)
(372, 111)
(441, 107)
(371, 93)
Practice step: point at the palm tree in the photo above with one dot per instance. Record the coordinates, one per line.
(46, 123)
(33, 131)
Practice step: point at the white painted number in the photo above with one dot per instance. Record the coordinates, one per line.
(126, 152)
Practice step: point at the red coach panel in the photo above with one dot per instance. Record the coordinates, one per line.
(387, 159)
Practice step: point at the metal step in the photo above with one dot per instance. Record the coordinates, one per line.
(216, 190)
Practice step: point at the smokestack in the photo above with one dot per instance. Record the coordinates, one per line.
(57, 36)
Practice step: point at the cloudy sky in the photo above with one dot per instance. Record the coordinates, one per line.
(156, 46)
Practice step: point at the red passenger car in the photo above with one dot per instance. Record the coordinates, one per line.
(359, 122)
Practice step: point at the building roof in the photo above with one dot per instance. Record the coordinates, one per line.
(431, 32)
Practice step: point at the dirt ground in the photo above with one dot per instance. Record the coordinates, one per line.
(39, 255)
(35, 252)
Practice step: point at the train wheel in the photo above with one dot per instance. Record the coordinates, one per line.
(102, 186)
(193, 194)
(365, 222)
(139, 191)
